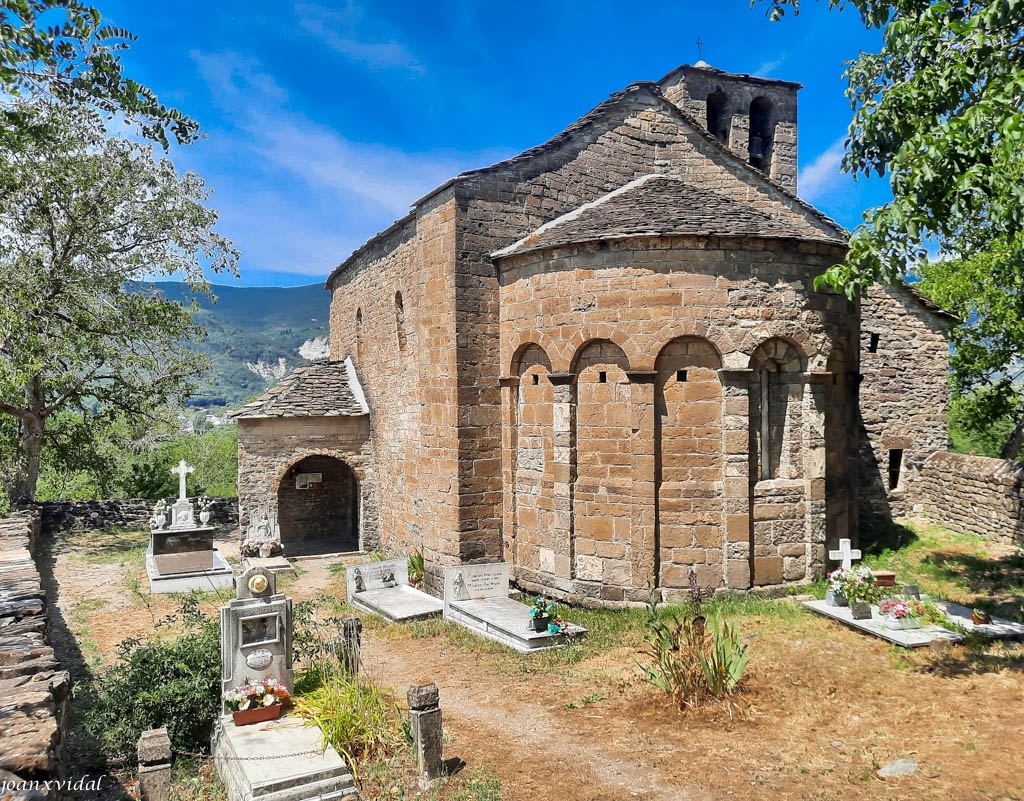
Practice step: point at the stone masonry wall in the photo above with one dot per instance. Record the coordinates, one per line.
(648, 456)
(269, 448)
(973, 495)
(34, 690)
(405, 356)
(129, 513)
(904, 361)
(637, 134)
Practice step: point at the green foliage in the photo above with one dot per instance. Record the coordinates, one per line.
(171, 680)
(415, 567)
(74, 59)
(82, 216)
(939, 110)
(692, 658)
(976, 427)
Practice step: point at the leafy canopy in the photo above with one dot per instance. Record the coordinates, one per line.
(60, 50)
(83, 217)
(940, 110)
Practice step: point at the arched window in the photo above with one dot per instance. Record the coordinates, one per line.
(359, 333)
(400, 320)
(759, 146)
(719, 118)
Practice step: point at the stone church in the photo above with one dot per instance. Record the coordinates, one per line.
(604, 361)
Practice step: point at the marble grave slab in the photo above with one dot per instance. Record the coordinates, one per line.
(383, 589)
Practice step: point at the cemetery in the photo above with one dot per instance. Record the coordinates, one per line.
(612, 469)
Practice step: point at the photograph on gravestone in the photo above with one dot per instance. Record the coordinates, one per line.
(259, 630)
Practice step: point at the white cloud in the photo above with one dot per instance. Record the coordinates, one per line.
(294, 194)
(766, 68)
(822, 175)
(341, 31)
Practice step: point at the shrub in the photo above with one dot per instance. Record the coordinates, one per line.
(171, 681)
(691, 657)
(415, 567)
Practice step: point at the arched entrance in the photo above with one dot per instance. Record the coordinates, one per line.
(318, 507)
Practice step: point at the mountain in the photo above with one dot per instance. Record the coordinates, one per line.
(254, 335)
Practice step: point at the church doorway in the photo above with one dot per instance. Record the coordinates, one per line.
(318, 507)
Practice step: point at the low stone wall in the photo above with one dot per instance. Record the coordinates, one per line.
(34, 691)
(131, 513)
(973, 495)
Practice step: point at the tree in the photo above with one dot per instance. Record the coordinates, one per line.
(61, 51)
(83, 217)
(940, 110)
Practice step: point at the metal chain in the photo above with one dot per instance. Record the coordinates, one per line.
(249, 759)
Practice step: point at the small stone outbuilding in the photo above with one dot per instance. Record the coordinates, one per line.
(305, 461)
(603, 360)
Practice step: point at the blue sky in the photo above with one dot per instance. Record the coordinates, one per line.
(325, 120)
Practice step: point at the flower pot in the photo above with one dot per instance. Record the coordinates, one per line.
(266, 550)
(258, 714)
(833, 598)
(204, 517)
(861, 610)
(900, 623)
(160, 520)
(539, 623)
(979, 618)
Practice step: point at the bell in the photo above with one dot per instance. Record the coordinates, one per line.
(756, 147)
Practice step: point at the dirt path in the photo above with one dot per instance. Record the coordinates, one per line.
(500, 724)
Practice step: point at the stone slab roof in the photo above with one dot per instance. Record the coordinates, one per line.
(659, 205)
(320, 389)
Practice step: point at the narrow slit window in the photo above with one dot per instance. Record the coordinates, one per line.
(602, 377)
(873, 345)
(680, 375)
(895, 466)
(400, 320)
(536, 379)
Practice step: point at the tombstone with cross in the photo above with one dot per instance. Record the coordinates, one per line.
(183, 513)
(845, 554)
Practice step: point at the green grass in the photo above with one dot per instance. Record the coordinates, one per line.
(955, 567)
(108, 546)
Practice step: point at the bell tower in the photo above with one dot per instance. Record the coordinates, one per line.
(754, 117)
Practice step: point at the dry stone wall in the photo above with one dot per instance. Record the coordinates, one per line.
(34, 690)
(973, 495)
(128, 513)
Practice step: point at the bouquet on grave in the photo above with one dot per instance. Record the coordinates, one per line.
(255, 693)
(542, 607)
(855, 584)
(902, 608)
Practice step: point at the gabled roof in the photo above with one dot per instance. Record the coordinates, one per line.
(602, 111)
(659, 205)
(320, 389)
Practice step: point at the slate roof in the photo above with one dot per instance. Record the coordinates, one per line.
(603, 110)
(320, 389)
(659, 205)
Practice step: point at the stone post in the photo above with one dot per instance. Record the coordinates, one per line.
(351, 651)
(509, 447)
(425, 721)
(563, 471)
(154, 751)
(815, 460)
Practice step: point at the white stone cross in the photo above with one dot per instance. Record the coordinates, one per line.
(846, 553)
(183, 470)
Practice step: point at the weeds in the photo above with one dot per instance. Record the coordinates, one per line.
(692, 658)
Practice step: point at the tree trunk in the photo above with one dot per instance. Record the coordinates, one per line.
(1012, 446)
(34, 428)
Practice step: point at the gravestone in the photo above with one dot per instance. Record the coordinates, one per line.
(845, 554)
(277, 760)
(256, 632)
(382, 588)
(476, 596)
(181, 556)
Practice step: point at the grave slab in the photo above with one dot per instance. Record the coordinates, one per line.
(383, 589)
(278, 565)
(476, 597)
(999, 628)
(186, 572)
(280, 760)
